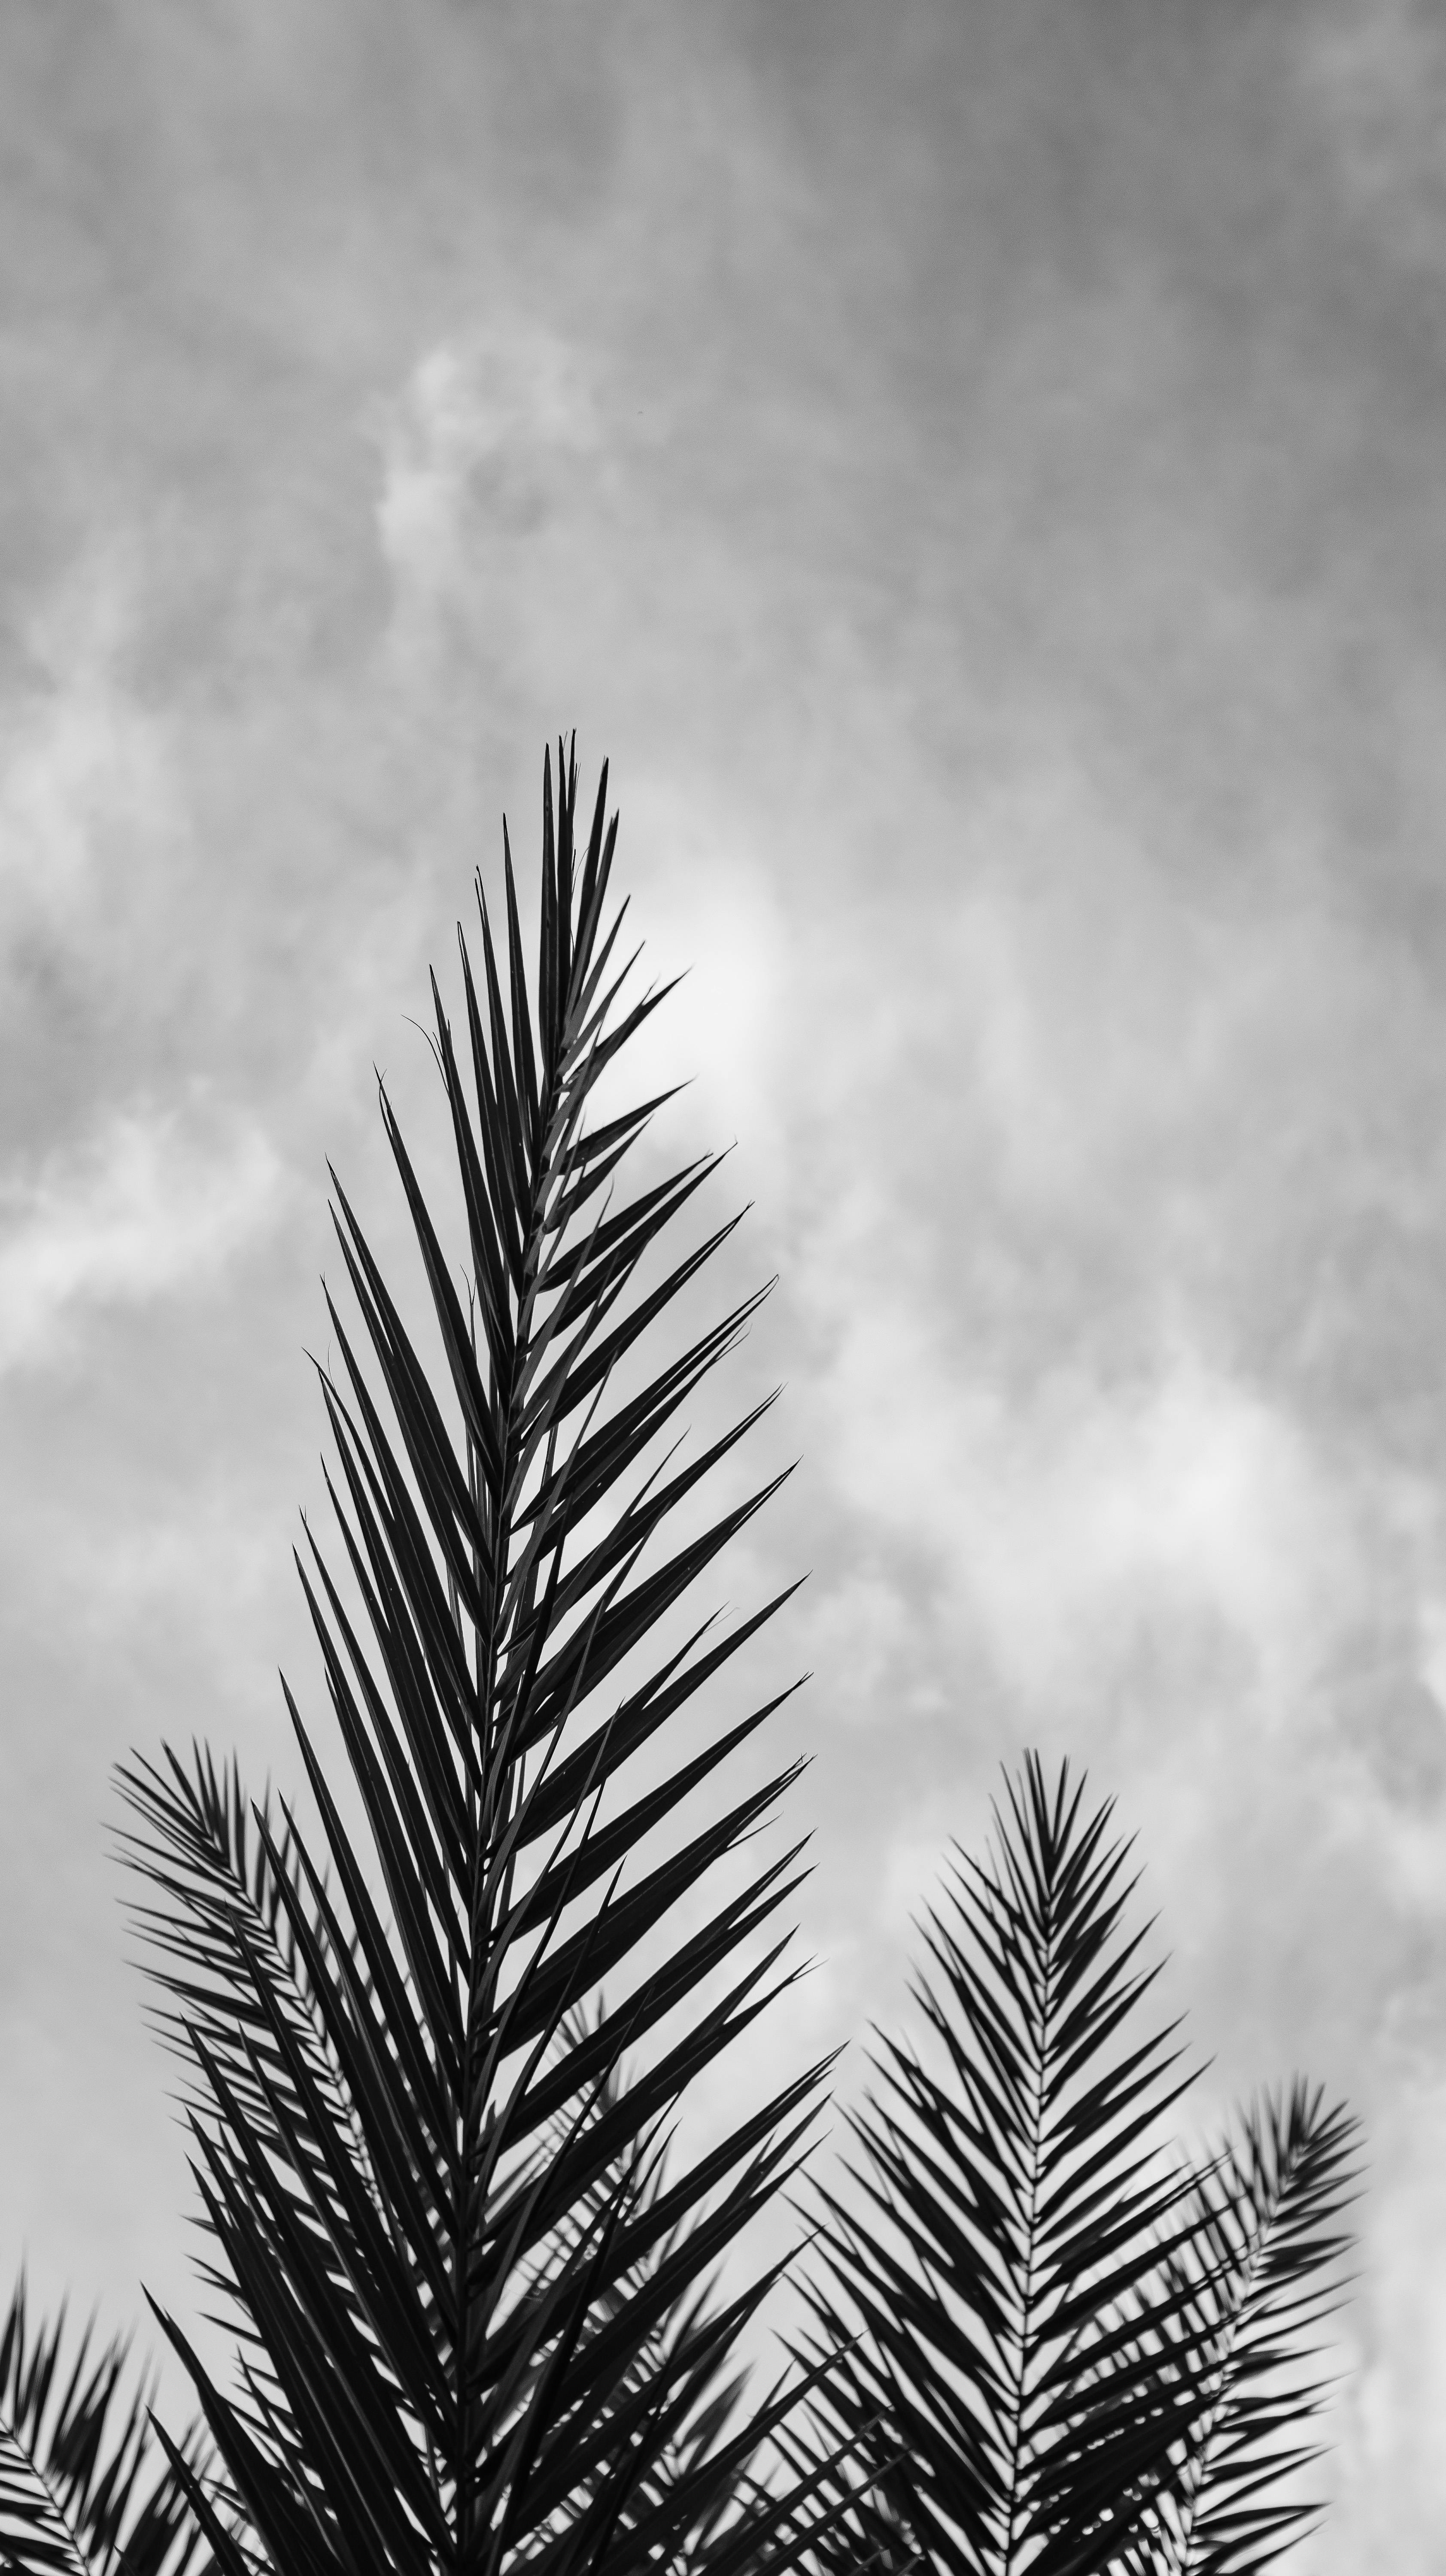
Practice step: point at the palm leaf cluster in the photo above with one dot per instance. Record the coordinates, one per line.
(1254, 2279)
(83, 2488)
(1055, 2345)
(425, 2184)
(486, 2318)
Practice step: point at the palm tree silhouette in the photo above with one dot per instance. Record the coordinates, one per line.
(434, 2048)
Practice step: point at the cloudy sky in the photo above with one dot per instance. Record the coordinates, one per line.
(975, 467)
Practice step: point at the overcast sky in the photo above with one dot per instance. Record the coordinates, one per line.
(976, 468)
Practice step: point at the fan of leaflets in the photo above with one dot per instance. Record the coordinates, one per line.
(83, 2491)
(1055, 2347)
(472, 2335)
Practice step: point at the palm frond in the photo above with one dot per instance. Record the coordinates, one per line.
(1021, 2247)
(1256, 2278)
(466, 2292)
(82, 2490)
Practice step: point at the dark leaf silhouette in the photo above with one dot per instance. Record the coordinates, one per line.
(488, 2313)
(1056, 2347)
(471, 2296)
(83, 2489)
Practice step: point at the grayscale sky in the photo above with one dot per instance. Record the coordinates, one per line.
(977, 468)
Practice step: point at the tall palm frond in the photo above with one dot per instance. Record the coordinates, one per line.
(83, 2490)
(424, 2197)
(1256, 2278)
(1031, 2304)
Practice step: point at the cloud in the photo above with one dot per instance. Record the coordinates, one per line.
(87, 789)
(708, 913)
(474, 435)
(1376, 74)
(1389, 2472)
(1073, 1512)
(142, 1208)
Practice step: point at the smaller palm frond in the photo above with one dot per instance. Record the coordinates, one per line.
(236, 1996)
(1020, 2247)
(82, 2491)
(220, 1864)
(1256, 2279)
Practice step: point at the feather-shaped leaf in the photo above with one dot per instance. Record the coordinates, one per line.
(472, 2315)
(1257, 2278)
(1040, 2320)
